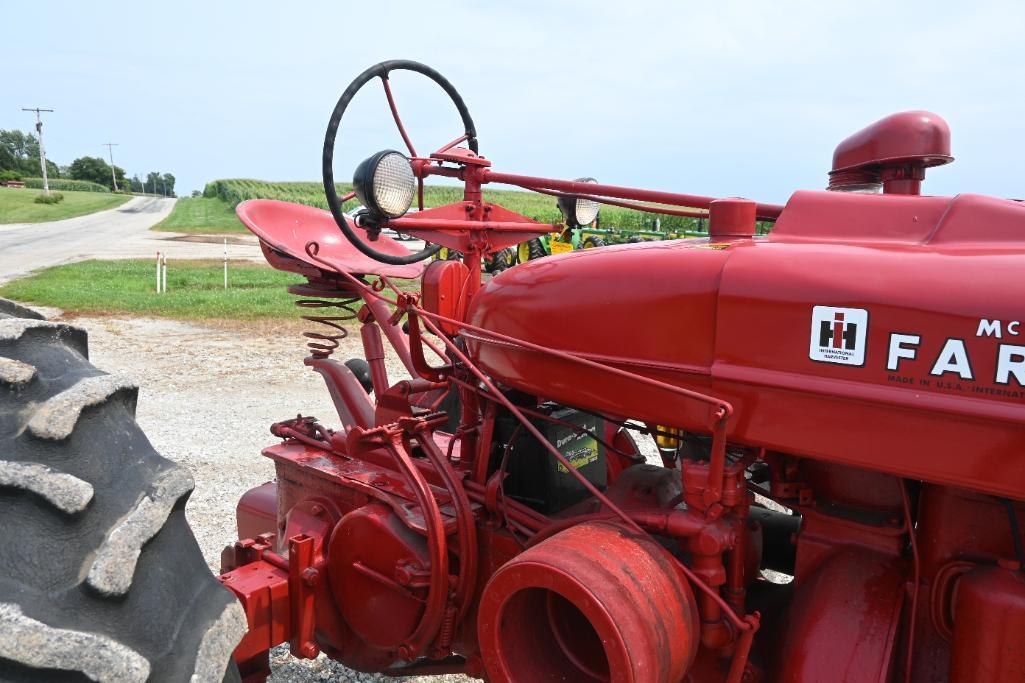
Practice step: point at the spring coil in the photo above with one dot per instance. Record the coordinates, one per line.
(323, 344)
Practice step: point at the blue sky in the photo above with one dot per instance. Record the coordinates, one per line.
(717, 98)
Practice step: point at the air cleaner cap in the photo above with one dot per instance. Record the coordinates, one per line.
(910, 140)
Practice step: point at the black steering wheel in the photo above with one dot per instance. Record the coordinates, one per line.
(334, 202)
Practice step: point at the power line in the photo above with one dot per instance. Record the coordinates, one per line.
(42, 150)
(110, 148)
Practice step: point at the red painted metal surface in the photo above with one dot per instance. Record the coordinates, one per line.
(262, 588)
(731, 219)
(989, 626)
(446, 290)
(257, 511)
(732, 325)
(288, 228)
(462, 226)
(894, 151)
(595, 602)
(862, 366)
(844, 620)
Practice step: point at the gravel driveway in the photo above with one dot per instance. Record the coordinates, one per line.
(207, 398)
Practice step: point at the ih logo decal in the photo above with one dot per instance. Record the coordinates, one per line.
(838, 335)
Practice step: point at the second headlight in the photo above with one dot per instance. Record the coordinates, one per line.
(579, 211)
(384, 184)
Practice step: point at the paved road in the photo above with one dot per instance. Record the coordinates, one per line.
(123, 232)
(119, 233)
(25, 247)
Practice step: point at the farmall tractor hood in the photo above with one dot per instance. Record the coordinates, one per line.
(879, 307)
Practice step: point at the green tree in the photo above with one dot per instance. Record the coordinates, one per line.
(8, 162)
(135, 184)
(30, 168)
(91, 168)
(154, 182)
(19, 151)
(19, 144)
(169, 179)
(96, 170)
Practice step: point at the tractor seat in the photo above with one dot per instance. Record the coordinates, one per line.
(286, 228)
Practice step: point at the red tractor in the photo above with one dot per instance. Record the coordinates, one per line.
(839, 407)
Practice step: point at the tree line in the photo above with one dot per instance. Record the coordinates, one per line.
(19, 158)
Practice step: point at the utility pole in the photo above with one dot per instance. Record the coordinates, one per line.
(42, 150)
(110, 148)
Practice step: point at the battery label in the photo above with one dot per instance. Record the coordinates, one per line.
(583, 452)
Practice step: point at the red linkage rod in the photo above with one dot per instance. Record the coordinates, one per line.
(664, 210)
(764, 211)
(395, 115)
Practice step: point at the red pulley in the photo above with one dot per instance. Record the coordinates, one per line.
(596, 602)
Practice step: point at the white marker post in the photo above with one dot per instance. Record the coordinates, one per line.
(158, 272)
(165, 274)
(225, 262)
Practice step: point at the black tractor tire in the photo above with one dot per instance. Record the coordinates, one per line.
(531, 249)
(446, 254)
(592, 242)
(100, 576)
(500, 260)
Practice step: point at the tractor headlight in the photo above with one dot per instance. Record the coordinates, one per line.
(384, 183)
(579, 212)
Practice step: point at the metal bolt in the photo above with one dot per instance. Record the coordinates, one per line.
(310, 576)
(309, 651)
(317, 510)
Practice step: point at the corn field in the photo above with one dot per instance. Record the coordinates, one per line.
(65, 185)
(530, 204)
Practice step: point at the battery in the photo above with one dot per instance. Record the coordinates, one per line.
(534, 476)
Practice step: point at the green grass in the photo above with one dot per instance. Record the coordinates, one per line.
(201, 214)
(195, 290)
(18, 205)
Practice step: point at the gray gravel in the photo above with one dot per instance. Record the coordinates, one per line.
(207, 398)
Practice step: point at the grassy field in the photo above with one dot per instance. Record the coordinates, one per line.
(201, 214)
(18, 206)
(195, 290)
(536, 206)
